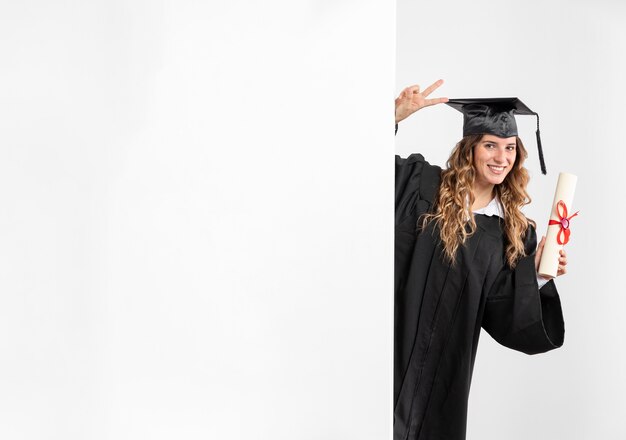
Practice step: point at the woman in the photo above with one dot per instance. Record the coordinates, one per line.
(465, 259)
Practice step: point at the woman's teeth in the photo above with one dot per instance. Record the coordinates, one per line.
(496, 169)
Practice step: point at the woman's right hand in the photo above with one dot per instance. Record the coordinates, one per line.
(562, 259)
(411, 100)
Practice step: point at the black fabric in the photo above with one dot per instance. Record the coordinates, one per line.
(490, 115)
(440, 309)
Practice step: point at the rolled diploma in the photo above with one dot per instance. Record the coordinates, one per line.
(565, 188)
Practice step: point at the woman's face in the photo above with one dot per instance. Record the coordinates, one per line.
(494, 158)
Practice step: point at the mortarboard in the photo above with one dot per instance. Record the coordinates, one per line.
(494, 116)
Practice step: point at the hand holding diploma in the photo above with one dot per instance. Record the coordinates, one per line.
(558, 234)
(562, 259)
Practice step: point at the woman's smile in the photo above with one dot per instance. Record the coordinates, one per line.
(496, 169)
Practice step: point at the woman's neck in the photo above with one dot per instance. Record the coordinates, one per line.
(482, 196)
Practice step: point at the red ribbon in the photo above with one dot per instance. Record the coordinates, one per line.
(563, 221)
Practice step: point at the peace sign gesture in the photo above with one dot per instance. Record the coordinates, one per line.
(411, 100)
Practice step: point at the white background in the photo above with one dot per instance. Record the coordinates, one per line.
(566, 61)
(196, 219)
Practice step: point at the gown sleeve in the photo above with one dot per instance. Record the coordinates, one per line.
(414, 195)
(518, 314)
(416, 185)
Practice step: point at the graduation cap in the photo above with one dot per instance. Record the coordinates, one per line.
(494, 116)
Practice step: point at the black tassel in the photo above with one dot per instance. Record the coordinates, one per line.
(542, 162)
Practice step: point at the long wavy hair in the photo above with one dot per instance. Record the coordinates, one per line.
(456, 197)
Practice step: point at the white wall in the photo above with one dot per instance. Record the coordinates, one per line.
(196, 219)
(566, 61)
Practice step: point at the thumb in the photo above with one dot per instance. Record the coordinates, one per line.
(542, 242)
(539, 251)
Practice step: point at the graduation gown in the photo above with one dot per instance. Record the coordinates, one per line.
(440, 309)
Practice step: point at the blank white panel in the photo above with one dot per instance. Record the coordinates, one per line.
(196, 219)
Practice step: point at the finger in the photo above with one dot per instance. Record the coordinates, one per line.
(408, 92)
(538, 253)
(432, 87)
(412, 89)
(434, 101)
(541, 244)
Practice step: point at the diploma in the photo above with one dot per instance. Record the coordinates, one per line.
(558, 227)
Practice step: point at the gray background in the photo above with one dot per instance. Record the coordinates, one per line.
(196, 219)
(566, 61)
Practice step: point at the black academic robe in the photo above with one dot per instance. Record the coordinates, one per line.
(440, 309)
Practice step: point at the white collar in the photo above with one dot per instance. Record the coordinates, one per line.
(493, 208)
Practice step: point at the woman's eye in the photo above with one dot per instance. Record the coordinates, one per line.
(489, 145)
(510, 148)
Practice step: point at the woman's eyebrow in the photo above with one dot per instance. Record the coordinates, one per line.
(512, 144)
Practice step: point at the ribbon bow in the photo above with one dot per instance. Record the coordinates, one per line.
(563, 221)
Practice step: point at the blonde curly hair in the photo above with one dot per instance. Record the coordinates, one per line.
(456, 195)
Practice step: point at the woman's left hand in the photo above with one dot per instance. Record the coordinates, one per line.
(562, 258)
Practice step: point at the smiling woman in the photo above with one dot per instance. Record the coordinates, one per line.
(465, 258)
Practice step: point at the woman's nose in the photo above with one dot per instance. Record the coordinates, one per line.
(500, 155)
